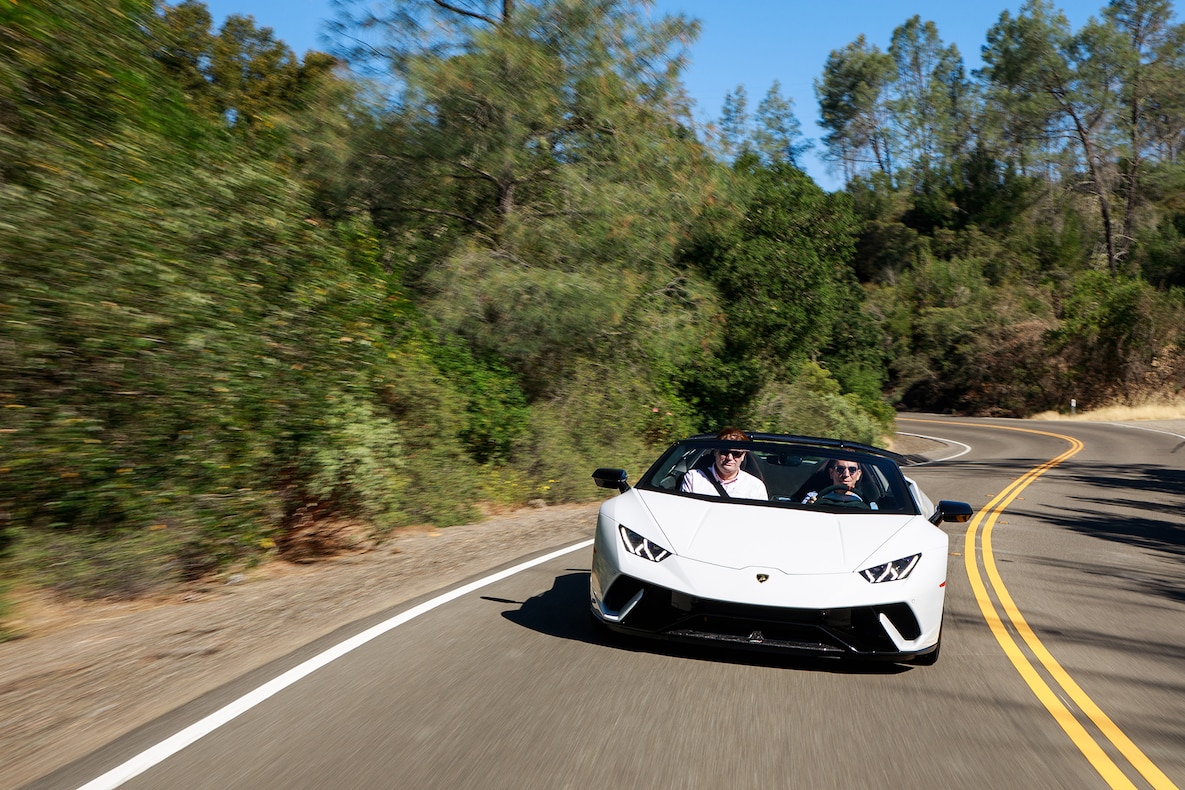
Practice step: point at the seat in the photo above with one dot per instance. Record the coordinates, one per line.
(673, 480)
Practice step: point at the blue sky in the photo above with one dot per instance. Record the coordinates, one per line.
(749, 42)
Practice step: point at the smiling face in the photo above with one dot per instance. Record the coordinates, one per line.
(728, 463)
(844, 473)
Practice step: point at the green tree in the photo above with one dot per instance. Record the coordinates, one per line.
(1166, 129)
(382, 39)
(773, 134)
(778, 136)
(779, 266)
(735, 124)
(933, 105)
(547, 160)
(1065, 85)
(242, 75)
(853, 107)
(1149, 54)
(194, 361)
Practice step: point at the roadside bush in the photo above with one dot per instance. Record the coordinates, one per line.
(494, 405)
(956, 344)
(1118, 333)
(431, 416)
(123, 564)
(355, 463)
(175, 324)
(605, 415)
(813, 405)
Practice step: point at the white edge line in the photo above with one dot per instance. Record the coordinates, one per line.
(966, 447)
(199, 729)
(1143, 428)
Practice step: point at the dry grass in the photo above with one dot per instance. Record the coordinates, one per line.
(1162, 410)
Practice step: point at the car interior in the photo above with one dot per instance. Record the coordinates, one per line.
(789, 474)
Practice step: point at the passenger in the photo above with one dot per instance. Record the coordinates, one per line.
(844, 476)
(725, 477)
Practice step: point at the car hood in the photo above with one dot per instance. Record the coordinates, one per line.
(755, 536)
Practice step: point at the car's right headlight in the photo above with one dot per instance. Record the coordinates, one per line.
(642, 547)
(891, 571)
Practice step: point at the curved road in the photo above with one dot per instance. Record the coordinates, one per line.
(1063, 665)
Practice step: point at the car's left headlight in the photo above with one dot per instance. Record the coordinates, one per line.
(640, 546)
(891, 571)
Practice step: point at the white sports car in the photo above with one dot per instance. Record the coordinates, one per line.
(824, 548)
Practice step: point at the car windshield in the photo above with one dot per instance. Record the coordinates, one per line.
(793, 475)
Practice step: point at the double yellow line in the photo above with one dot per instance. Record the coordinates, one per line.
(981, 525)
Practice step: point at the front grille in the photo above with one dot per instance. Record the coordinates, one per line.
(855, 630)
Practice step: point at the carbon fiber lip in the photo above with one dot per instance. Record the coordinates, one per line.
(785, 644)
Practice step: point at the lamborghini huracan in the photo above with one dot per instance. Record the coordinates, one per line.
(825, 548)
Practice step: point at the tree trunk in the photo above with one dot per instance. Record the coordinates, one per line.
(1103, 195)
(1096, 177)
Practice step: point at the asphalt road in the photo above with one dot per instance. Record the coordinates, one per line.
(1063, 665)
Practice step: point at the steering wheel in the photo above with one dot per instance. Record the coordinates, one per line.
(857, 502)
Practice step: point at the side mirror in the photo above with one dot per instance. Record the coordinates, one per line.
(949, 510)
(615, 479)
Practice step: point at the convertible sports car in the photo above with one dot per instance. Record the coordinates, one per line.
(855, 570)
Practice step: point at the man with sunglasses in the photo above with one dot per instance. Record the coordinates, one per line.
(725, 476)
(844, 476)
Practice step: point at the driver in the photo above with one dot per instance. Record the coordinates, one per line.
(725, 477)
(844, 474)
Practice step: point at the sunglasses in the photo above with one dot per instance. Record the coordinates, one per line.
(845, 470)
(731, 453)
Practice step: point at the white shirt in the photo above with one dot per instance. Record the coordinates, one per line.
(743, 486)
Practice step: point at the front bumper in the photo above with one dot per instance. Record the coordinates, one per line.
(873, 632)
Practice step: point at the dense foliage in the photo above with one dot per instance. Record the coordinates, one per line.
(252, 299)
(1020, 227)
